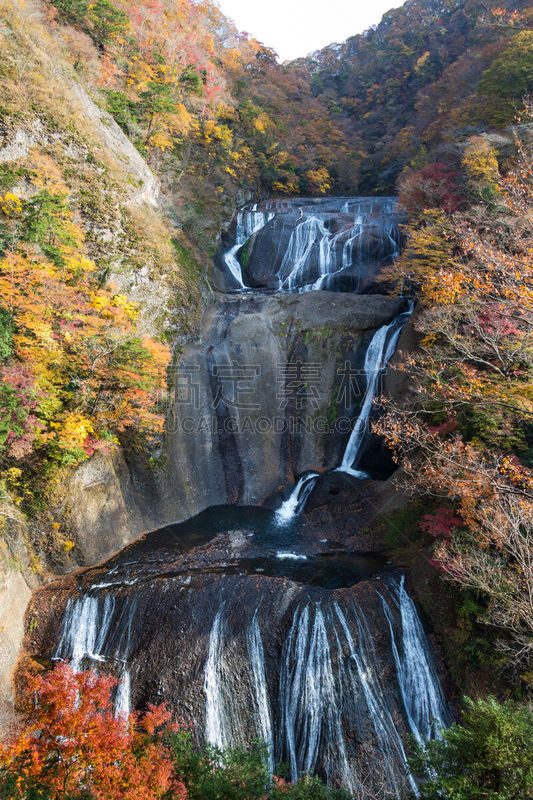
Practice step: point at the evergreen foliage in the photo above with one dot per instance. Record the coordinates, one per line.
(486, 757)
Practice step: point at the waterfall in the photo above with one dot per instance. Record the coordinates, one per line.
(329, 684)
(86, 625)
(333, 710)
(381, 348)
(422, 695)
(324, 243)
(365, 678)
(96, 628)
(313, 257)
(309, 696)
(308, 235)
(123, 696)
(224, 723)
(232, 263)
(215, 716)
(329, 698)
(311, 238)
(249, 221)
(257, 661)
(294, 504)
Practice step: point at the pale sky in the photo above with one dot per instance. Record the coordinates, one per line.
(294, 28)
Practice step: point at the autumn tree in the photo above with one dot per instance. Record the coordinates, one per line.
(74, 370)
(71, 745)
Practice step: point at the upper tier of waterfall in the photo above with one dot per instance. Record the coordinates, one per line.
(303, 244)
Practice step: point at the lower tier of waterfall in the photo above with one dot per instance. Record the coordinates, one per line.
(322, 656)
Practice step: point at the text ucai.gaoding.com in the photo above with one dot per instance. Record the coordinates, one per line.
(260, 425)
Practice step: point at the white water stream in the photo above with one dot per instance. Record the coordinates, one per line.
(330, 686)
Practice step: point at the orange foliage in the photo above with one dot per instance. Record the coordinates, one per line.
(71, 742)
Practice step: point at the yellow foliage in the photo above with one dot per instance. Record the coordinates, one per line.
(78, 264)
(10, 204)
(480, 162)
(219, 133)
(161, 140)
(129, 308)
(319, 180)
(11, 475)
(99, 301)
(290, 186)
(73, 431)
(280, 159)
(422, 60)
(262, 122)
(45, 173)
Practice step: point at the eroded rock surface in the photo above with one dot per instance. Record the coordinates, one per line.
(227, 620)
(269, 392)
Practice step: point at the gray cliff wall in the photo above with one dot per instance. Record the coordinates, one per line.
(264, 395)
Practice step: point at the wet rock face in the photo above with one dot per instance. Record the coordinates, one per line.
(269, 393)
(213, 618)
(104, 504)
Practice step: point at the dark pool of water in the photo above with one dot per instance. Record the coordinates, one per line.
(260, 523)
(327, 572)
(149, 556)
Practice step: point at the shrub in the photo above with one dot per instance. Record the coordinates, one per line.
(239, 774)
(487, 757)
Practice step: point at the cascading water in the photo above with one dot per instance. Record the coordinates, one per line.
(216, 725)
(123, 695)
(330, 675)
(309, 235)
(327, 239)
(422, 695)
(379, 352)
(366, 679)
(224, 723)
(329, 679)
(256, 655)
(330, 687)
(248, 222)
(310, 711)
(85, 628)
(295, 503)
(97, 630)
(330, 243)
